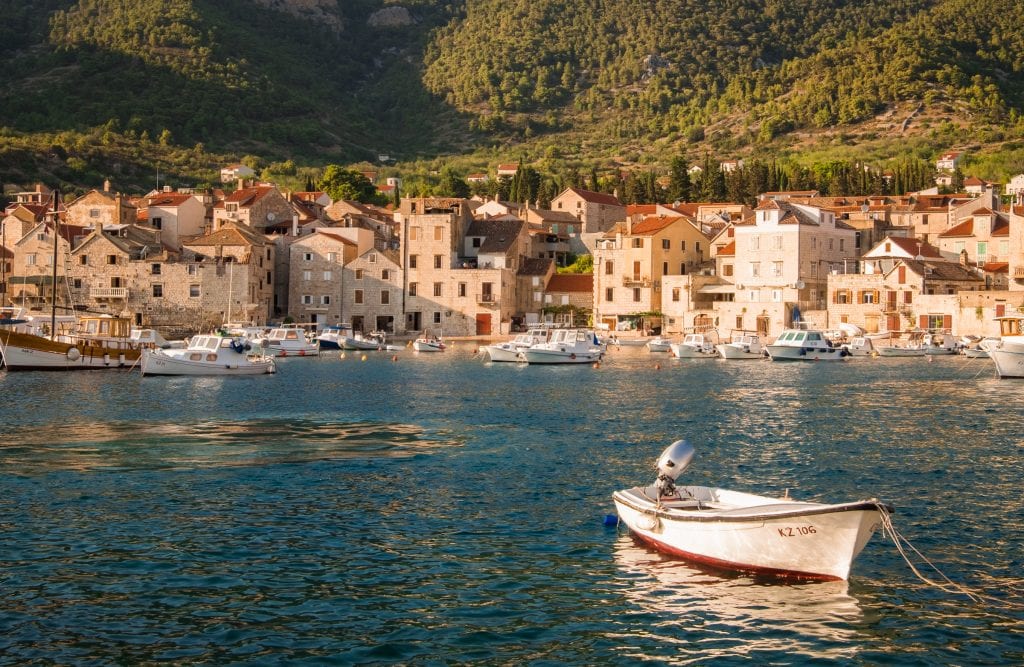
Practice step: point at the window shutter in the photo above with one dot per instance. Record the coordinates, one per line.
(947, 322)
(922, 321)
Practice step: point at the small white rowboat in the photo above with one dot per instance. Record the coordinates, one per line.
(741, 531)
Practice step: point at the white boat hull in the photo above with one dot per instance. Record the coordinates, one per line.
(790, 353)
(157, 362)
(730, 351)
(427, 346)
(1009, 363)
(659, 346)
(503, 352)
(26, 352)
(768, 536)
(901, 352)
(682, 351)
(547, 356)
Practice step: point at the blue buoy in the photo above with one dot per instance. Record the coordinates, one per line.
(611, 520)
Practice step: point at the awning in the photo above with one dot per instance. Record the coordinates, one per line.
(30, 280)
(717, 289)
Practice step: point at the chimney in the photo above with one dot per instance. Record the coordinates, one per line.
(106, 185)
(963, 257)
(295, 224)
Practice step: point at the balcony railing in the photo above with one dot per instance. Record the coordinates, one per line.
(635, 280)
(486, 297)
(1018, 273)
(109, 292)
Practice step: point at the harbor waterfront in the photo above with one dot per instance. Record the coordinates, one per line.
(435, 508)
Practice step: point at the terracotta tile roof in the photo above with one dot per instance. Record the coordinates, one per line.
(729, 250)
(571, 282)
(230, 235)
(653, 225)
(168, 199)
(974, 180)
(996, 267)
(554, 216)
(1001, 228)
(641, 209)
(914, 247)
(248, 196)
(596, 197)
(965, 228)
(336, 237)
(950, 271)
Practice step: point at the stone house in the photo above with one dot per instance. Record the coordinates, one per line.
(256, 207)
(949, 161)
(555, 234)
(631, 261)
(569, 299)
(316, 284)
(99, 208)
(596, 211)
(235, 172)
(373, 297)
(982, 242)
(1015, 189)
(1015, 257)
(531, 279)
(30, 281)
(246, 259)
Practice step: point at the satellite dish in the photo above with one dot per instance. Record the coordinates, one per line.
(799, 284)
(271, 216)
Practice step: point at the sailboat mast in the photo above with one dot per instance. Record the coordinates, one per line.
(53, 291)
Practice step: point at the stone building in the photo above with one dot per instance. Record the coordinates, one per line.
(597, 212)
(569, 299)
(30, 281)
(317, 287)
(373, 298)
(256, 207)
(531, 278)
(176, 216)
(99, 208)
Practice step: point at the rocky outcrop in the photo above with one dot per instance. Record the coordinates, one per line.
(324, 12)
(390, 17)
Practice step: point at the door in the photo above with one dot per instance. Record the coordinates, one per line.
(762, 325)
(892, 323)
(483, 324)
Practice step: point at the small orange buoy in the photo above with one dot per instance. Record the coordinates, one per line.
(657, 367)
(363, 358)
(394, 357)
(342, 356)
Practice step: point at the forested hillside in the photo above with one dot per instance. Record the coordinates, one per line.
(99, 88)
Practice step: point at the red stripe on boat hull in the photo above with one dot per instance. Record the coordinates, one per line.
(729, 565)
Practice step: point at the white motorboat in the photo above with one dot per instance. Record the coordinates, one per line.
(511, 350)
(696, 346)
(1008, 353)
(860, 346)
(375, 340)
(567, 346)
(939, 344)
(428, 343)
(746, 532)
(743, 345)
(805, 345)
(152, 338)
(659, 344)
(913, 347)
(289, 341)
(209, 355)
(631, 341)
(332, 337)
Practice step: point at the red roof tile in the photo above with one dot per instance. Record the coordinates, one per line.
(596, 197)
(965, 228)
(571, 282)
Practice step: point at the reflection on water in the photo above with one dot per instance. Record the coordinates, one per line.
(733, 615)
(141, 445)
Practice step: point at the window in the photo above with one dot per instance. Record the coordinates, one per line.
(565, 299)
(307, 256)
(537, 296)
(372, 258)
(666, 244)
(437, 317)
(94, 213)
(307, 299)
(609, 294)
(755, 269)
(331, 257)
(437, 289)
(83, 260)
(696, 247)
(158, 291)
(842, 244)
(982, 250)
(307, 275)
(776, 295)
(776, 269)
(193, 269)
(675, 293)
(842, 296)
(385, 298)
(682, 268)
(777, 242)
(412, 289)
(609, 267)
(325, 300)
(437, 261)
(682, 246)
(358, 296)
(908, 297)
(1004, 248)
(111, 259)
(77, 283)
(830, 242)
(755, 242)
(570, 229)
(328, 275)
(868, 296)
(359, 274)
(638, 243)
(193, 291)
(636, 294)
(462, 289)
(157, 223)
(547, 298)
(727, 269)
(412, 261)
(385, 274)
(476, 241)
(414, 233)
(439, 233)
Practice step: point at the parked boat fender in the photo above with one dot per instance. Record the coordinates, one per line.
(73, 354)
(120, 360)
(106, 359)
(649, 522)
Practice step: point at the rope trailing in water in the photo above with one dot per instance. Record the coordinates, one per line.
(947, 585)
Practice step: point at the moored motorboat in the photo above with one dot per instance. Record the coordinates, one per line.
(428, 343)
(332, 337)
(742, 345)
(697, 345)
(746, 532)
(375, 340)
(805, 345)
(289, 341)
(1008, 353)
(512, 350)
(860, 346)
(659, 344)
(208, 355)
(567, 346)
(96, 343)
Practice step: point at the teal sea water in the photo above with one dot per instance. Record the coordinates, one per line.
(440, 510)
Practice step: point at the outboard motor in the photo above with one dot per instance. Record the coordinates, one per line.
(673, 461)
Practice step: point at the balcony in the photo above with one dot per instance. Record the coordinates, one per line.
(635, 280)
(1018, 273)
(487, 298)
(108, 292)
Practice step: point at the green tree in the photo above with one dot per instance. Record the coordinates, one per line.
(451, 184)
(341, 183)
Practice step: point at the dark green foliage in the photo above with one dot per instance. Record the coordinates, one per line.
(341, 183)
